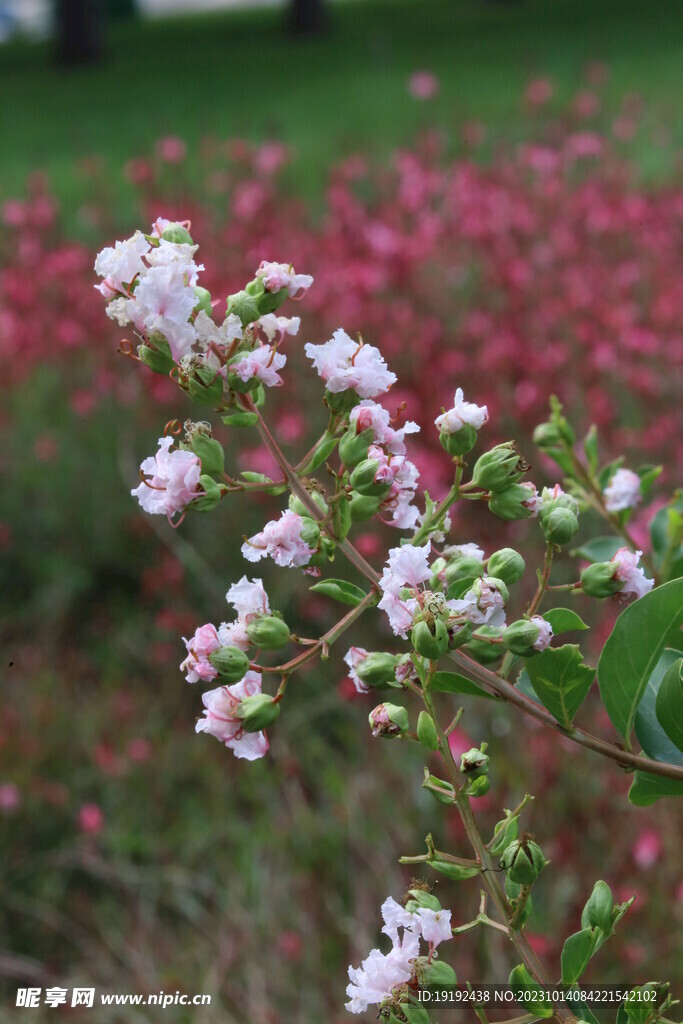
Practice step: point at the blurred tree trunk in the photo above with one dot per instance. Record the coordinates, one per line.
(307, 16)
(79, 31)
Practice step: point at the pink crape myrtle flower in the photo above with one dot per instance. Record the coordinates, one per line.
(221, 721)
(248, 598)
(368, 415)
(353, 658)
(545, 634)
(281, 539)
(482, 605)
(623, 491)
(344, 364)
(406, 568)
(627, 570)
(120, 264)
(534, 502)
(171, 480)
(197, 665)
(281, 275)
(263, 364)
(462, 414)
(423, 85)
(397, 509)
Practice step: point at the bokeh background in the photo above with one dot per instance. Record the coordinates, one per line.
(488, 191)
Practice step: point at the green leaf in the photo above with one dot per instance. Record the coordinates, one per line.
(579, 1007)
(529, 993)
(666, 533)
(669, 705)
(456, 872)
(648, 475)
(564, 620)
(576, 953)
(240, 419)
(600, 549)
(524, 686)
(590, 447)
(453, 682)
(647, 788)
(426, 731)
(634, 647)
(320, 453)
(561, 680)
(651, 735)
(340, 590)
(414, 1014)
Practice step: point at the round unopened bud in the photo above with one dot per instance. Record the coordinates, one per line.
(499, 467)
(353, 447)
(244, 306)
(507, 564)
(474, 763)
(363, 479)
(520, 637)
(310, 532)
(600, 580)
(560, 525)
(511, 503)
(378, 670)
(203, 299)
(479, 786)
(231, 664)
(268, 632)
(480, 649)
(297, 505)
(177, 233)
(388, 720)
(523, 860)
(547, 435)
(463, 568)
(258, 712)
(459, 443)
(209, 451)
(430, 639)
(363, 507)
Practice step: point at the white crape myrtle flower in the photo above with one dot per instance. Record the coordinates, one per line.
(435, 925)
(482, 605)
(121, 263)
(406, 568)
(171, 480)
(343, 364)
(462, 414)
(274, 326)
(469, 550)
(281, 275)
(397, 509)
(209, 332)
(623, 491)
(628, 571)
(248, 598)
(369, 415)
(117, 310)
(545, 632)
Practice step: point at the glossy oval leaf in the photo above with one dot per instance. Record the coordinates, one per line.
(564, 620)
(600, 549)
(633, 649)
(561, 680)
(647, 788)
(651, 735)
(340, 590)
(669, 705)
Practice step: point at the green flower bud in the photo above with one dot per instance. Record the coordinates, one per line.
(353, 447)
(560, 525)
(520, 637)
(507, 564)
(310, 532)
(378, 670)
(363, 479)
(178, 234)
(430, 639)
(548, 435)
(523, 860)
(509, 504)
(388, 720)
(212, 495)
(268, 302)
(426, 731)
(497, 469)
(513, 891)
(231, 664)
(436, 974)
(244, 305)
(483, 652)
(479, 787)
(157, 360)
(459, 635)
(459, 443)
(597, 912)
(297, 505)
(474, 763)
(341, 401)
(203, 299)
(463, 568)
(341, 520)
(363, 506)
(268, 632)
(258, 712)
(209, 451)
(599, 580)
